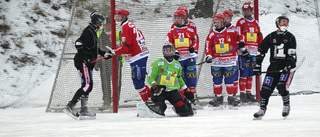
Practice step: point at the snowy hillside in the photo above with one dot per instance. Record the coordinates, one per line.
(32, 36)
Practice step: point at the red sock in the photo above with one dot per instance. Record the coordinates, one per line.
(217, 89)
(235, 87)
(229, 88)
(193, 90)
(243, 83)
(249, 84)
(144, 94)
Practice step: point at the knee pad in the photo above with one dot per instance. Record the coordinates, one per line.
(184, 110)
(282, 89)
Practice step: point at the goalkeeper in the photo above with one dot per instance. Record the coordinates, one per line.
(165, 78)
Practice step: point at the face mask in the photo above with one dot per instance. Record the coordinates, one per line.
(283, 28)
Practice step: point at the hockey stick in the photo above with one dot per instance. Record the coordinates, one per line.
(294, 69)
(96, 60)
(219, 55)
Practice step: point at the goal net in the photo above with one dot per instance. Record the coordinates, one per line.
(154, 18)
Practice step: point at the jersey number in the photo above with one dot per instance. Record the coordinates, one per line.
(279, 51)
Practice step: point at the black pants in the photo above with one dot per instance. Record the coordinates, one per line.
(281, 81)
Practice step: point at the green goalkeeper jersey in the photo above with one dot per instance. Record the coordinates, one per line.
(166, 73)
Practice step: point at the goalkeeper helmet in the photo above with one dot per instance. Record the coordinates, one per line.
(168, 52)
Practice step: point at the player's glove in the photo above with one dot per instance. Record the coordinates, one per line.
(191, 49)
(257, 66)
(291, 63)
(257, 69)
(157, 89)
(245, 54)
(176, 55)
(241, 44)
(189, 95)
(108, 55)
(208, 59)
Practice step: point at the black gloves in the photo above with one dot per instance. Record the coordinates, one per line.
(257, 66)
(291, 63)
(191, 49)
(245, 54)
(176, 55)
(109, 56)
(241, 44)
(189, 95)
(208, 59)
(157, 89)
(257, 69)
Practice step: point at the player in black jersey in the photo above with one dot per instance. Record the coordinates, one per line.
(282, 45)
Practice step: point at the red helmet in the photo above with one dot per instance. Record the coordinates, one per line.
(247, 6)
(218, 16)
(228, 13)
(123, 12)
(183, 8)
(180, 13)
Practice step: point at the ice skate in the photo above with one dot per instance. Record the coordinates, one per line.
(251, 98)
(233, 101)
(286, 111)
(217, 102)
(85, 112)
(71, 111)
(258, 115)
(243, 99)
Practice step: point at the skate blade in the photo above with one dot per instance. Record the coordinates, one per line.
(70, 115)
(87, 118)
(233, 108)
(253, 103)
(195, 107)
(257, 118)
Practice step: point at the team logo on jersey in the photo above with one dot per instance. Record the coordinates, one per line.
(161, 70)
(248, 24)
(228, 38)
(178, 30)
(123, 39)
(167, 68)
(175, 73)
(218, 35)
(285, 41)
(274, 41)
(177, 66)
(268, 81)
(187, 34)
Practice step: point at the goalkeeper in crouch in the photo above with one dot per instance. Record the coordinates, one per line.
(165, 78)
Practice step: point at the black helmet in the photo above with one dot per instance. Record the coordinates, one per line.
(96, 18)
(168, 57)
(280, 18)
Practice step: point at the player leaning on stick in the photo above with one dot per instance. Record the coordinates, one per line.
(165, 77)
(227, 21)
(134, 45)
(87, 52)
(222, 42)
(282, 45)
(248, 27)
(184, 39)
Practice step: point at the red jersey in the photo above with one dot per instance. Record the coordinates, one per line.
(221, 42)
(133, 44)
(250, 29)
(192, 25)
(182, 38)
